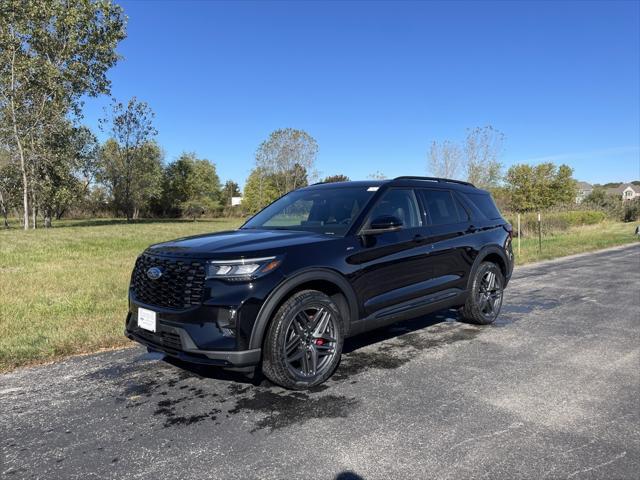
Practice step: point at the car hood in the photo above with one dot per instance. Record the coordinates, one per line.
(244, 242)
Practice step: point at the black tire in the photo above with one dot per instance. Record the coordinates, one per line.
(485, 299)
(317, 345)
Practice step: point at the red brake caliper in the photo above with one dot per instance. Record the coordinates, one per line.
(319, 341)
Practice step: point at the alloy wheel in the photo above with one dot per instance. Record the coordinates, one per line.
(310, 341)
(490, 294)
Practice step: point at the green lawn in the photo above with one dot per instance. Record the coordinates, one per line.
(576, 240)
(64, 290)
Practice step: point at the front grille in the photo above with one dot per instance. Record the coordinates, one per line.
(181, 284)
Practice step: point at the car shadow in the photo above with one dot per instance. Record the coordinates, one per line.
(351, 346)
(395, 330)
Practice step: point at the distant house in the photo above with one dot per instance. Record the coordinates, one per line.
(626, 191)
(584, 190)
(236, 201)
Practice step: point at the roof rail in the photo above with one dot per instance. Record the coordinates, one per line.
(434, 179)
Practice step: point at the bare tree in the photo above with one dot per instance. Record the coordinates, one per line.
(483, 147)
(445, 159)
(377, 175)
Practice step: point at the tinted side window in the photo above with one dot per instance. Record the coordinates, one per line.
(485, 204)
(400, 204)
(463, 213)
(440, 206)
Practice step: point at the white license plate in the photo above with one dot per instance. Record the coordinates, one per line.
(147, 319)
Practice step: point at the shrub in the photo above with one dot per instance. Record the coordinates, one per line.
(555, 221)
(631, 210)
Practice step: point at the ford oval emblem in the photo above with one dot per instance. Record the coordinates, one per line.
(154, 273)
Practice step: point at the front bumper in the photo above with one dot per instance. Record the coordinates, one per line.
(174, 340)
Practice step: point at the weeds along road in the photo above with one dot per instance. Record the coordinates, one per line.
(550, 391)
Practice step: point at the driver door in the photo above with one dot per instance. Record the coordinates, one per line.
(393, 265)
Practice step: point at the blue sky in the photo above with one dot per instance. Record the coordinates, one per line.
(375, 82)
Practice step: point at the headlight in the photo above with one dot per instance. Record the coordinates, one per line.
(241, 269)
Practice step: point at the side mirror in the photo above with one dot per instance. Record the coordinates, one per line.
(382, 224)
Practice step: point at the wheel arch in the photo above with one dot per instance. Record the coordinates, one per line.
(328, 281)
(490, 253)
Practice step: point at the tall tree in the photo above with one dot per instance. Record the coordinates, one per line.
(52, 53)
(132, 130)
(191, 186)
(564, 186)
(445, 159)
(482, 150)
(9, 185)
(135, 180)
(259, 191)
(65, 170)
(289, 156)
(540, 186)
(229, 190)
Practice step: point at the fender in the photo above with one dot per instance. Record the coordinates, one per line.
(484, 253)
(288, 285)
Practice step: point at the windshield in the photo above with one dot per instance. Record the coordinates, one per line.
(322, 210)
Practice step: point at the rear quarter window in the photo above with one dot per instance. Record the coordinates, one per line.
(484, 203)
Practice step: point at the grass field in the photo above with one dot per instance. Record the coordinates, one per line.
(64, 290)
(576, 240)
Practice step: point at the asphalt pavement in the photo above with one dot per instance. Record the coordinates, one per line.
(551, 390)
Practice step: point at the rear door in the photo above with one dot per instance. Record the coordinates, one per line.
(449, 233)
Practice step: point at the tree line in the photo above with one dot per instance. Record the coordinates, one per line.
(53, 53)
(522, 188)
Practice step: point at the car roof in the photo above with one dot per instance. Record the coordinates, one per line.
(353, 183)
(402, 181)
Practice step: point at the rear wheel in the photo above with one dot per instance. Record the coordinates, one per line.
(485, 297)
(304, 341)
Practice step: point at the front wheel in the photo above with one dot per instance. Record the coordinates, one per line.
(485, 297)
(303, 344)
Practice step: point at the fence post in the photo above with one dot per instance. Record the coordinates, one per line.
(539, 234)
(519, 235)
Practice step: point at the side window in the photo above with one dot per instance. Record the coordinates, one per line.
(400, 203)
(485, 204)
(441, 207)
(463, 213)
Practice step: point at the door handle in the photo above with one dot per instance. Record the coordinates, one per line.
(472, 229)
(421, 239)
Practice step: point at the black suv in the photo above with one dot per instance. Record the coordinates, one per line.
(318, 265)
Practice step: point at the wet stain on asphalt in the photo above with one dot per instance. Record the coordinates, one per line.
(513, 310)
(179, 395)
(283, 409)
(179, 411)
(401, 350)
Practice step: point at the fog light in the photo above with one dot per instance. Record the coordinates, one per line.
(227, 321)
